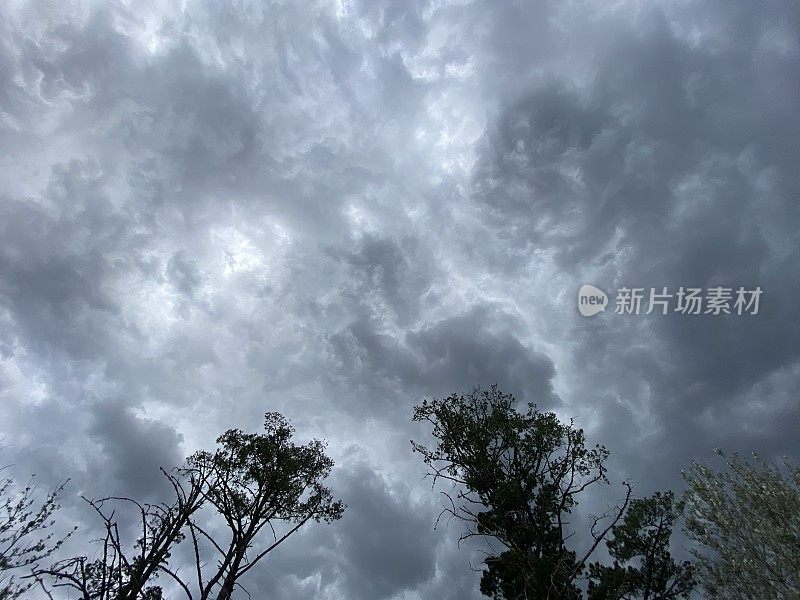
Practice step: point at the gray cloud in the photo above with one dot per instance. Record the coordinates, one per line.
(388, 542)
(661, 171)
(133, 450)
(454, 354)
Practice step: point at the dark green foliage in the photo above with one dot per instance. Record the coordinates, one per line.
(517, 476)
(643, 566)
(516, 575)
(256, 481)
(267, 475)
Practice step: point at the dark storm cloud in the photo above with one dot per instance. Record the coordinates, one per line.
(454, 354)
(388, 542)
(55, 260)
(133, 449)
(384, 544)
(481, 345)
(399, 274)
(672, 166)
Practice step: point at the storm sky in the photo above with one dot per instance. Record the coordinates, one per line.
(335, 209)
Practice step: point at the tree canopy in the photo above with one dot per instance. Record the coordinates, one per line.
(516, 476)
(745, 520)
(251, 484)
(643, 567)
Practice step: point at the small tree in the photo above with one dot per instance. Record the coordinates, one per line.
(643, 566)
(746, 522)
(252, 481)
(517, 476)
(119, 573)
(26, 532)
(256, 481)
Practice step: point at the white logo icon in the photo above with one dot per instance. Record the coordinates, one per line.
(591, 300)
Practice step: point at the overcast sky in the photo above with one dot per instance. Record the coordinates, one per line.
(335, 209)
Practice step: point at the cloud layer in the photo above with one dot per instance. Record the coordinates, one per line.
(335, 209)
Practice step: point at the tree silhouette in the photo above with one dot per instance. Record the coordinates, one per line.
(516, 477)
(256, 481)
(643, 567)
(250, 483)
(121, 575)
